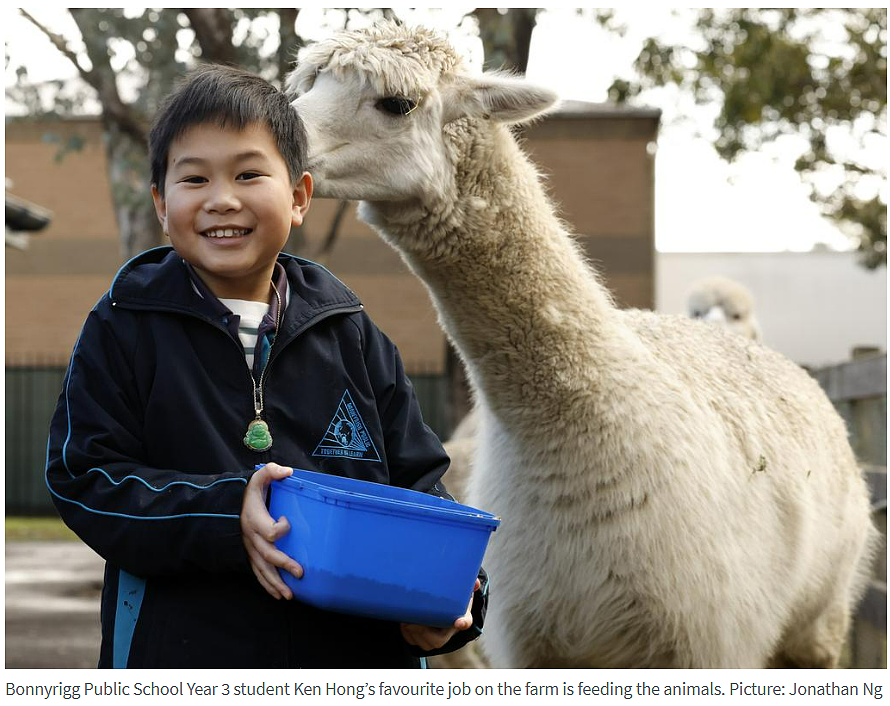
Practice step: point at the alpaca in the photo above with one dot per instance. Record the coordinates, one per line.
(672, 495)
(461, 446)
(725, 302)
(715, 299)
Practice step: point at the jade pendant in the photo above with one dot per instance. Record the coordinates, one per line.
(258, 437)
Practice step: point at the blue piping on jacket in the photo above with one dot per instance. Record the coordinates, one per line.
(130, 262)
(67, 410)
(111, 480)
(138, 517)
(164, 487)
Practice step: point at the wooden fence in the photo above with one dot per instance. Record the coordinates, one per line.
(858, 390)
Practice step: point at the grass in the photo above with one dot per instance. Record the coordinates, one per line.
(37, 529)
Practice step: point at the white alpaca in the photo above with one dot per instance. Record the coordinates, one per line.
(461, 448)
(718, 300)
(725, 302)
(672, 495)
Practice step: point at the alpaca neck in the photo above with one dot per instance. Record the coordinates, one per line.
(510, 286)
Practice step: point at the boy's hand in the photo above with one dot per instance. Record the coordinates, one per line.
(259, 531)
(430, 638)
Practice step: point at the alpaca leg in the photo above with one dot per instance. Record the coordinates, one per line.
(817, 645)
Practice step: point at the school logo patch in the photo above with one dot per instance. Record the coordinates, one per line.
(347, 436)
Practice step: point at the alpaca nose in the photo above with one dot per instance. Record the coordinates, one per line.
(716, 314)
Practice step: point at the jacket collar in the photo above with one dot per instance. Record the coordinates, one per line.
(158, 279)
(279, 277)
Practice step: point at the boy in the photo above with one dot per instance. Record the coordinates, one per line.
(207, 359)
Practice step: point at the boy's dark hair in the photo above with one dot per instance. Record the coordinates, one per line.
(230, 98)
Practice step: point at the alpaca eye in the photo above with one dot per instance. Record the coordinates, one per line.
(736, 317)
(396, 105)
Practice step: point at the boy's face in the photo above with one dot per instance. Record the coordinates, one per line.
(228, 206)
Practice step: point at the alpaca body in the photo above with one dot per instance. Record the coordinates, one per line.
(691, 548)
(621, 454)
(672, 495)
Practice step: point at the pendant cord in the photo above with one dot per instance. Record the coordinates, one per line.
(258, 437)
(258, 388)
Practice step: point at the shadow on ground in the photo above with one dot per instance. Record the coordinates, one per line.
(52, 605)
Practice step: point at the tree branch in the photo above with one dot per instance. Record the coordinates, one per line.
(112, 106)
(61, 45)
(104, 80)
(213, 32)
(333, 229)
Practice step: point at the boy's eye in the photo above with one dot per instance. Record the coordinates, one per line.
(248, 175)
(193, 180)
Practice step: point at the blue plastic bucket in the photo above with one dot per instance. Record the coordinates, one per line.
(378, 550)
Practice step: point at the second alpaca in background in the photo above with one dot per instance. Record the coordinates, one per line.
(725, 302)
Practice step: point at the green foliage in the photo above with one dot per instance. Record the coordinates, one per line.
(813, 73)
(74, 143)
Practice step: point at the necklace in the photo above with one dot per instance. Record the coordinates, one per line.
(258, 437)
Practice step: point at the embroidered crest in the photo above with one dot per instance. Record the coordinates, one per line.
(347, 436)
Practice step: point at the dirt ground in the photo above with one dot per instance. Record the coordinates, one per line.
(52, 604)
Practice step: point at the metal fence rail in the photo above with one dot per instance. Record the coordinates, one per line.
(31, 396)
(32, 391)
(858, 390)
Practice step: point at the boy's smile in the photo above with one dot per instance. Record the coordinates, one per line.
(228, 206)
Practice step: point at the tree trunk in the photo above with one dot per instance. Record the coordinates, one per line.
(133, 208)
(289, 42)
(213, 31)
(506, 38)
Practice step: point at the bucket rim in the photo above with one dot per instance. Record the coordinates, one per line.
(462, 514)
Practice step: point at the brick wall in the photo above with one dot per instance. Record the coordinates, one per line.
(599, 170)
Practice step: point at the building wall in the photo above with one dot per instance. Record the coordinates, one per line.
(597, 165)
(600, 172)
(813, 307)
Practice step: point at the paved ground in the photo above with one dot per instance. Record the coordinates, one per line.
(52, 604)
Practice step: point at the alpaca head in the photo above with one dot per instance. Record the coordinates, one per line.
(724, 302)
(377, 104)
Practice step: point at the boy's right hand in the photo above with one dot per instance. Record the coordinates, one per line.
(259, 531)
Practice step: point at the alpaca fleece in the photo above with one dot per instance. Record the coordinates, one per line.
(672, 495)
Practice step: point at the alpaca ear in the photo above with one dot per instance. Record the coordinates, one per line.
(503, 97)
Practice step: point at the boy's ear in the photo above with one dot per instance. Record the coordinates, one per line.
(160, 207)
(302, 197)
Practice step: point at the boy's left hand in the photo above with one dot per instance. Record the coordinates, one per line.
(429, 638)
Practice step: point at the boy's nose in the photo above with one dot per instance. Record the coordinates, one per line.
(221, 200)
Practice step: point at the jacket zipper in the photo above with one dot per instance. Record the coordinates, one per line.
(257, 388)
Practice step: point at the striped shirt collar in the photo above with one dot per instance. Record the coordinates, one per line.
(279, 277)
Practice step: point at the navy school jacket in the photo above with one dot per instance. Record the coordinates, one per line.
(146, 463)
